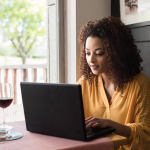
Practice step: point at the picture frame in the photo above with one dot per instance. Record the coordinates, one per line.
(135, 13)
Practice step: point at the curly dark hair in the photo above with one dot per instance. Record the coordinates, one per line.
(123, 56)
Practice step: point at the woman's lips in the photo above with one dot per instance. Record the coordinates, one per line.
(94, 67)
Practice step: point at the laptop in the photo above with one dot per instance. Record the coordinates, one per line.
(57, 110)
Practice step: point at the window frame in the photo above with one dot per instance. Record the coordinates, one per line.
(60, 40)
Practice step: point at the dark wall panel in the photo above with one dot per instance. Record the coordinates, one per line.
(142, 40)
(145, 54)
(141, 34)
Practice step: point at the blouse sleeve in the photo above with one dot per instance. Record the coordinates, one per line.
(140, 128)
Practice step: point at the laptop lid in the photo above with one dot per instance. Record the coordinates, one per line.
(54, 109)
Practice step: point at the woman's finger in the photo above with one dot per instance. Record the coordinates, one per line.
(91, 124)
(90, 120)
(95, 125)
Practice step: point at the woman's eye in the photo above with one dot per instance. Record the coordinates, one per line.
(87, 53)
(100, 54)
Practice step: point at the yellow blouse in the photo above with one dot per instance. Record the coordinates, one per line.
(132, 108)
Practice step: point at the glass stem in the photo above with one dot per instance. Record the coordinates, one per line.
(4, 117)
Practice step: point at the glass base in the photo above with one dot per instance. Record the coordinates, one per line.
(13, 135)
(5, 135)
(5, 127)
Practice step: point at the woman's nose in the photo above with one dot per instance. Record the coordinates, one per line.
(92, 58)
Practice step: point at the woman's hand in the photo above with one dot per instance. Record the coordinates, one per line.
(121, 129)
(97, 122)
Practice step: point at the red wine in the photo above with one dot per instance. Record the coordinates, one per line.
(5, 102)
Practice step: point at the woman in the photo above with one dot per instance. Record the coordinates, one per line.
(115, 92)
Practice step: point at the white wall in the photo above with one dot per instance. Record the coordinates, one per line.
(78, 13)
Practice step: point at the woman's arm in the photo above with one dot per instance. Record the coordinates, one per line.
(122, 130)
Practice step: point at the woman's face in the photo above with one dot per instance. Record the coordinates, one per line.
(96, 56)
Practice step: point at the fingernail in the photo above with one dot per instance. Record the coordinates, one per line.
(93, 126)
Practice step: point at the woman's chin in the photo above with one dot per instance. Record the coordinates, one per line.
(96, 73)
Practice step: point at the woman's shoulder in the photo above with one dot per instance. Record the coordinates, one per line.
(80, 81)
(83, 81)
(141, 78)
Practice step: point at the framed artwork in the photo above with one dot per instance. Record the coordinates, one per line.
(135, 12)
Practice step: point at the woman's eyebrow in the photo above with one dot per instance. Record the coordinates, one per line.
(95, 49)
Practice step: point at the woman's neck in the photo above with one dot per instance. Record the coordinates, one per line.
(107, 80)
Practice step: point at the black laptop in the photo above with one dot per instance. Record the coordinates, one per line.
(57, 110)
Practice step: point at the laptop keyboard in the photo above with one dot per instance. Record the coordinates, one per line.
(92, 130)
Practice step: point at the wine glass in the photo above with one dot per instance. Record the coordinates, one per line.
(6, 98)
